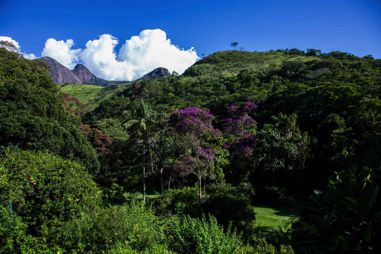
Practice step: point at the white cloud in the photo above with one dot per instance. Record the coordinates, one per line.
(12, 41)
(16, 47)
(30, 56)
(137, 56)
(62, 52)
(100, 57)
(152, 49)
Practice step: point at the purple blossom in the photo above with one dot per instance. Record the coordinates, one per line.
(250, 138)
(249, 105)
(228, 120)
(194, 111)
(192, 119)
(207, 153)
(232, 108)
(247, 151)
(239, 120)
(239, 127)
(243, 145)
(246, 120)
(238, 124)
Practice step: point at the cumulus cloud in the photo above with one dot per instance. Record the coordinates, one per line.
(12, 41)
(29, 56)
(62, 52)
(100, 57)
(14, 46)
(152, 49)
(137, 56)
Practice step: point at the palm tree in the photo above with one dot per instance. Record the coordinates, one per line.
(140, 121)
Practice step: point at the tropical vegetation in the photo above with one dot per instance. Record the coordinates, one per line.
(246, 152)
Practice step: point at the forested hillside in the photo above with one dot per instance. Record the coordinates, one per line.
(246, 152)
(33, 115)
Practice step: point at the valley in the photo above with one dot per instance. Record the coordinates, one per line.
(246, 152)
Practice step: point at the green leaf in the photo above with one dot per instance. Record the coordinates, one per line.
(369, 196)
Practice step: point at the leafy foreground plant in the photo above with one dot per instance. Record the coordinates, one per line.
(128, 229)
(206, 236)
(39, 193)
(203, 236)
(135, 229)
(344, 219)
(51, 205)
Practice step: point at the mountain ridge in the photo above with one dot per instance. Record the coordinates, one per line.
(82, 75)
(79, 75)
(58, 72)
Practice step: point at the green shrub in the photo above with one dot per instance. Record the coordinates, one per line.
(113, 128)
(231, 205)
(126, 249)
(39, 193)
(180, 201)
(117, 227)
(189, 235)
(262, 246)
(12, 230)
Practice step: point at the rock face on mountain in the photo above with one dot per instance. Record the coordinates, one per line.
(84, 74)
(59, 73)
(80, 75)
(87, 77)
(157, 73)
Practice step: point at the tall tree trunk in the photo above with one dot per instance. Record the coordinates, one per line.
(144, 173)
(204, 193)
(150, 157)
(200, 188)
(169, 181)
(161, 180)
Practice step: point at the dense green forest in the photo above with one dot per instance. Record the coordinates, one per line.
(246, 152)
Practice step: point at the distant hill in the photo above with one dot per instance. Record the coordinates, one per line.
(220, 64)
(85, 97)
(82, 75)
(230, 63)
(225, 75)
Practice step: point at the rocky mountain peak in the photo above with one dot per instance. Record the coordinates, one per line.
(84, 74)
(157, 73)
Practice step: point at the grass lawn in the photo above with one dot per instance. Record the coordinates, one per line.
(268, 218)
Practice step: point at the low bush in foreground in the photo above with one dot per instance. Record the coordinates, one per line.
(39, 193)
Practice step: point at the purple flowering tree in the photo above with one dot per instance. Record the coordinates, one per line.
(192, 120)
(194, 129)
(239, 128)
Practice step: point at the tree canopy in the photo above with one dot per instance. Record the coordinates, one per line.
(33, 115)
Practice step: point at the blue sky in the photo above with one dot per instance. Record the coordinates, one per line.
(208, 25)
